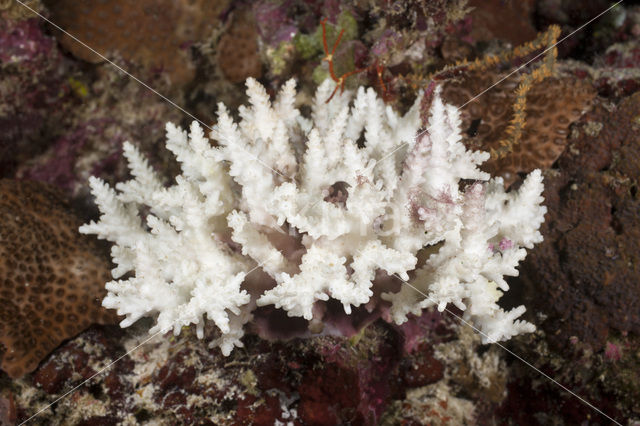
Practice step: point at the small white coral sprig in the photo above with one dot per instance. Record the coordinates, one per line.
(327, 206)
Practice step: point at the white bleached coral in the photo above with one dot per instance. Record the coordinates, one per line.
(327, 206)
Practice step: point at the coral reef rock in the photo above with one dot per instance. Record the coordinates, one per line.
(36, 97)
(588, 265)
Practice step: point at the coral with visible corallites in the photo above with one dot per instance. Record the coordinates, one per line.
(51, 277)
(238, 54)
(291, 211)
(552, 106)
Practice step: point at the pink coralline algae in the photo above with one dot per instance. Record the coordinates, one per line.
(505, 244)
(273, 22)
(321, 381)
(386, 43)
(58, 166)
(34, 91)
(612, 352)
(24, 42)
(90, 141)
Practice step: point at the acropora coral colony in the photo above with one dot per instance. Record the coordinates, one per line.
(290, 211)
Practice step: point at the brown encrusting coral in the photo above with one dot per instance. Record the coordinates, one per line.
(51, 277)
(516, 71)
(153, 33)
(238, 54)
(511, 21)
(552, 106)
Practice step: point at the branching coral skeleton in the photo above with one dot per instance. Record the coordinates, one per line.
(340, 228)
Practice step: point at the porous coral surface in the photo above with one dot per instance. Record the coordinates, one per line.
(238, 53)
(52, 278)
(318, 216)
(552, 106)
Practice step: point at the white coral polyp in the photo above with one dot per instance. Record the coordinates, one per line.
(319, 215)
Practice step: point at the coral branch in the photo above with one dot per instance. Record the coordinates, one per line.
(352, 219)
